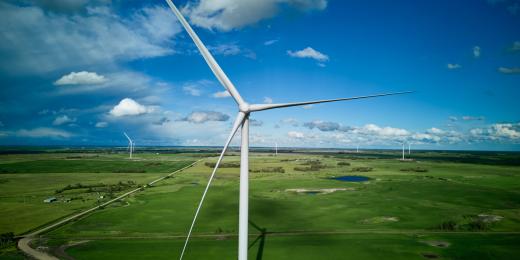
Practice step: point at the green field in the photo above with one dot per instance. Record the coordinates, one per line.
(442, 205)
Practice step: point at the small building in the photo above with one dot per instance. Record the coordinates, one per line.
(50, 200)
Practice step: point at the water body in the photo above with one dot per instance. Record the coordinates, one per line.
(349, 178)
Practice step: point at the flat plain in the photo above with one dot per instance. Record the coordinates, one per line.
(450, 205)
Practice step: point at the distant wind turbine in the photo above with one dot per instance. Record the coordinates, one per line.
(409, 148)
(130, 144)
(241, 121)
(275, 149)
(403, 152)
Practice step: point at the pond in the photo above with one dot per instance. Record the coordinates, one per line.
(350, 178)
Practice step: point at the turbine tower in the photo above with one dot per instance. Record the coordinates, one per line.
(403, 152)
(275, 149)
(241, 121)
(130, 144)
(409, 148)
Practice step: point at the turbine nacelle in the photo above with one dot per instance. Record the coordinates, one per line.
(244, 107)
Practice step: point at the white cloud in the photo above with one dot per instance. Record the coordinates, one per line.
(268, 100)
(95, 36)
(192, 90)
(101, 124)
(434, 130)
(382, 131)
(64, 119)
(227, 15)
(43, 132)
(506, 132)
(513, 70)
(221, 94)
(453, 66)
(270, 42)
(308, 107)
(80, 78)
(296, 135)
(476, 51)
(129, 107)
(308, 53)
(200, 117)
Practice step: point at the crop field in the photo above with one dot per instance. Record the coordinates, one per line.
(449, 205)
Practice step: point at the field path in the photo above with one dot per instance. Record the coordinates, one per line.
(23, 244)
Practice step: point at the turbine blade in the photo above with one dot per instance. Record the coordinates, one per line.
(127, 137)
(238, 122)
(212, 63)
(260, 107)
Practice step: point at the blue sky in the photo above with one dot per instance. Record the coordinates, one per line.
(77, 72)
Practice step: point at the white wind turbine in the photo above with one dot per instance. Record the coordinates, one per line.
(241, 121)
(130, 144)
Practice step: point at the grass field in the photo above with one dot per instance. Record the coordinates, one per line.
(441, 205)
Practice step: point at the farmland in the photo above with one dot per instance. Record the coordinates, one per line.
(438, 205)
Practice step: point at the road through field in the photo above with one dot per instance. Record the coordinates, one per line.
(23, 244)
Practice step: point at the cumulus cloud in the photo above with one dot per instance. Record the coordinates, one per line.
(80, 78)
(200, 117)
(94, 36)
(232, 14)
(497, 132)
(64, 119)
(309, 53)
(101, 124)
(476, 51)
(43, 132)
(453, 66)
(129, 107)
(295, 135)
(372, 129)
(221, 94)
(506, 70)
(326, 126)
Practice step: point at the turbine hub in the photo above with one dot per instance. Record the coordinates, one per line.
(244, 108)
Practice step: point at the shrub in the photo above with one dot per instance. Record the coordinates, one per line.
(415, 169)
(448, 225)
(278, 169)
(362, 169)
(223, 165)
(343, 164)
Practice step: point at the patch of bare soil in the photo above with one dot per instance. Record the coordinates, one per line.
(318, 191)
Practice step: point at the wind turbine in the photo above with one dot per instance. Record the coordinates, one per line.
(241, 121)
(275, 149)
(403, 151)
(130, 144)
(409, 148)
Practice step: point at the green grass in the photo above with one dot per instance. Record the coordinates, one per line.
(22, 194)
(143, 226)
